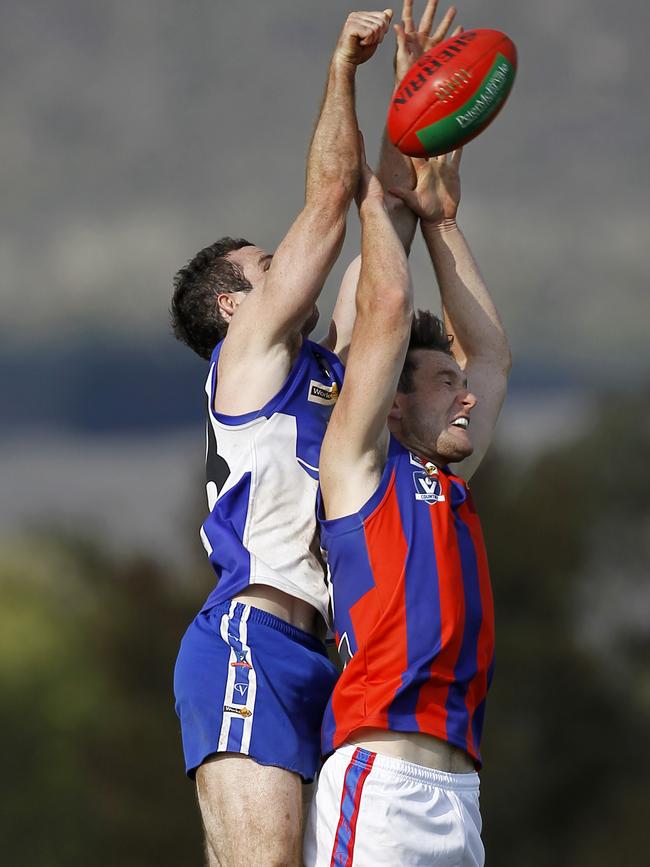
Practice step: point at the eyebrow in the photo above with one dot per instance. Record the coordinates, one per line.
(448, 371)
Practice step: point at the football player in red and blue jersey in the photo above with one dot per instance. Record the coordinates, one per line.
(411, 591)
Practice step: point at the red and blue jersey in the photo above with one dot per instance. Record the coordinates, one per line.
(413, 611)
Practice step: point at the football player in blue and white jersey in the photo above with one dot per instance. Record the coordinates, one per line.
(252, 677)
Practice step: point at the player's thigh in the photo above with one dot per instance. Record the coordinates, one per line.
(252, 813)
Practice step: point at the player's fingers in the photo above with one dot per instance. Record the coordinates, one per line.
(456, 157)
(402, 37)
(372, 26)
(372, 17)
(458, 30)
(445, 24)
(427, 17)
(369, 35)
(407, 15)
(372, 38)
(357, 20)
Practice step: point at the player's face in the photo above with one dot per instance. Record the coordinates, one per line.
(434, 418)
(255, 264)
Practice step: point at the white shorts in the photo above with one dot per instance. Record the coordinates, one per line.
(371, 810)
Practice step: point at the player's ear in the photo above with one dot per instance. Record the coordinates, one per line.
(395, 413)
(227, 304)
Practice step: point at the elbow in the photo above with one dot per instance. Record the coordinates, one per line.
(388, 301)
(501, 363)
(400, 303)
(327, 213)
(505, 359)
(497, 359)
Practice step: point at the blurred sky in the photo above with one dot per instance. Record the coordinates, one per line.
(136, 133)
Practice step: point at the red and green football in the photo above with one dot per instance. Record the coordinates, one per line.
(452, 93)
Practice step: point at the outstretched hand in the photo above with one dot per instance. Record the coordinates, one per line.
(412, 42)
(437, 191)
(361, 34)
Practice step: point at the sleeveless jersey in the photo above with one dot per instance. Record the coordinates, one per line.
(413, 612)
(262, 480)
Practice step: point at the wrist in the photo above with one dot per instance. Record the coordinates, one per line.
(342, 62)
(438, 227)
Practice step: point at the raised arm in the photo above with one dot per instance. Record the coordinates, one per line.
(345, 310)
(266, 327)
(480, 342)
(355, 446)
(394, 168)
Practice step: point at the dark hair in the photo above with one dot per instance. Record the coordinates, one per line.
(196, 319)
(427, 332)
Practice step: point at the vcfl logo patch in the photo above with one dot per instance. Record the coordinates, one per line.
(428, 488)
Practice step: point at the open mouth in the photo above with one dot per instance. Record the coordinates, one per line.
(461, 422)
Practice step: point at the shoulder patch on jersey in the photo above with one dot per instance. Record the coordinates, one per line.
(427, 488)
(321, 393)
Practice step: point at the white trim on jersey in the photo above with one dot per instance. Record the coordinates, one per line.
(206, 542)
(309, 466)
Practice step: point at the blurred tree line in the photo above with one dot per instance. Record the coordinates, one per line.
(92, 758)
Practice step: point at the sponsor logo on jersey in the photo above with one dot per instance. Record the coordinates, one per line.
(241, 662)
(427, 488)
(429, 468)
(242, 711)
(321, 393)
(241, 688)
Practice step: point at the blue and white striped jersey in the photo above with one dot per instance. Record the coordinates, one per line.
(262, 479)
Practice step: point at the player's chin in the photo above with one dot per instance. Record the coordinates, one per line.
(458, 445)
(459, 455)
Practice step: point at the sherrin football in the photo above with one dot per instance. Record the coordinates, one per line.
(452, 93)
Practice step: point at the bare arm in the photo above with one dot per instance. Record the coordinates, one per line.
(395, 170)
(355, 446)
(477, 329)
(344, 313)
(265, 330)
(480, 342)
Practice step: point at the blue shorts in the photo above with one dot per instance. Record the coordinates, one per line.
(247, 682)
